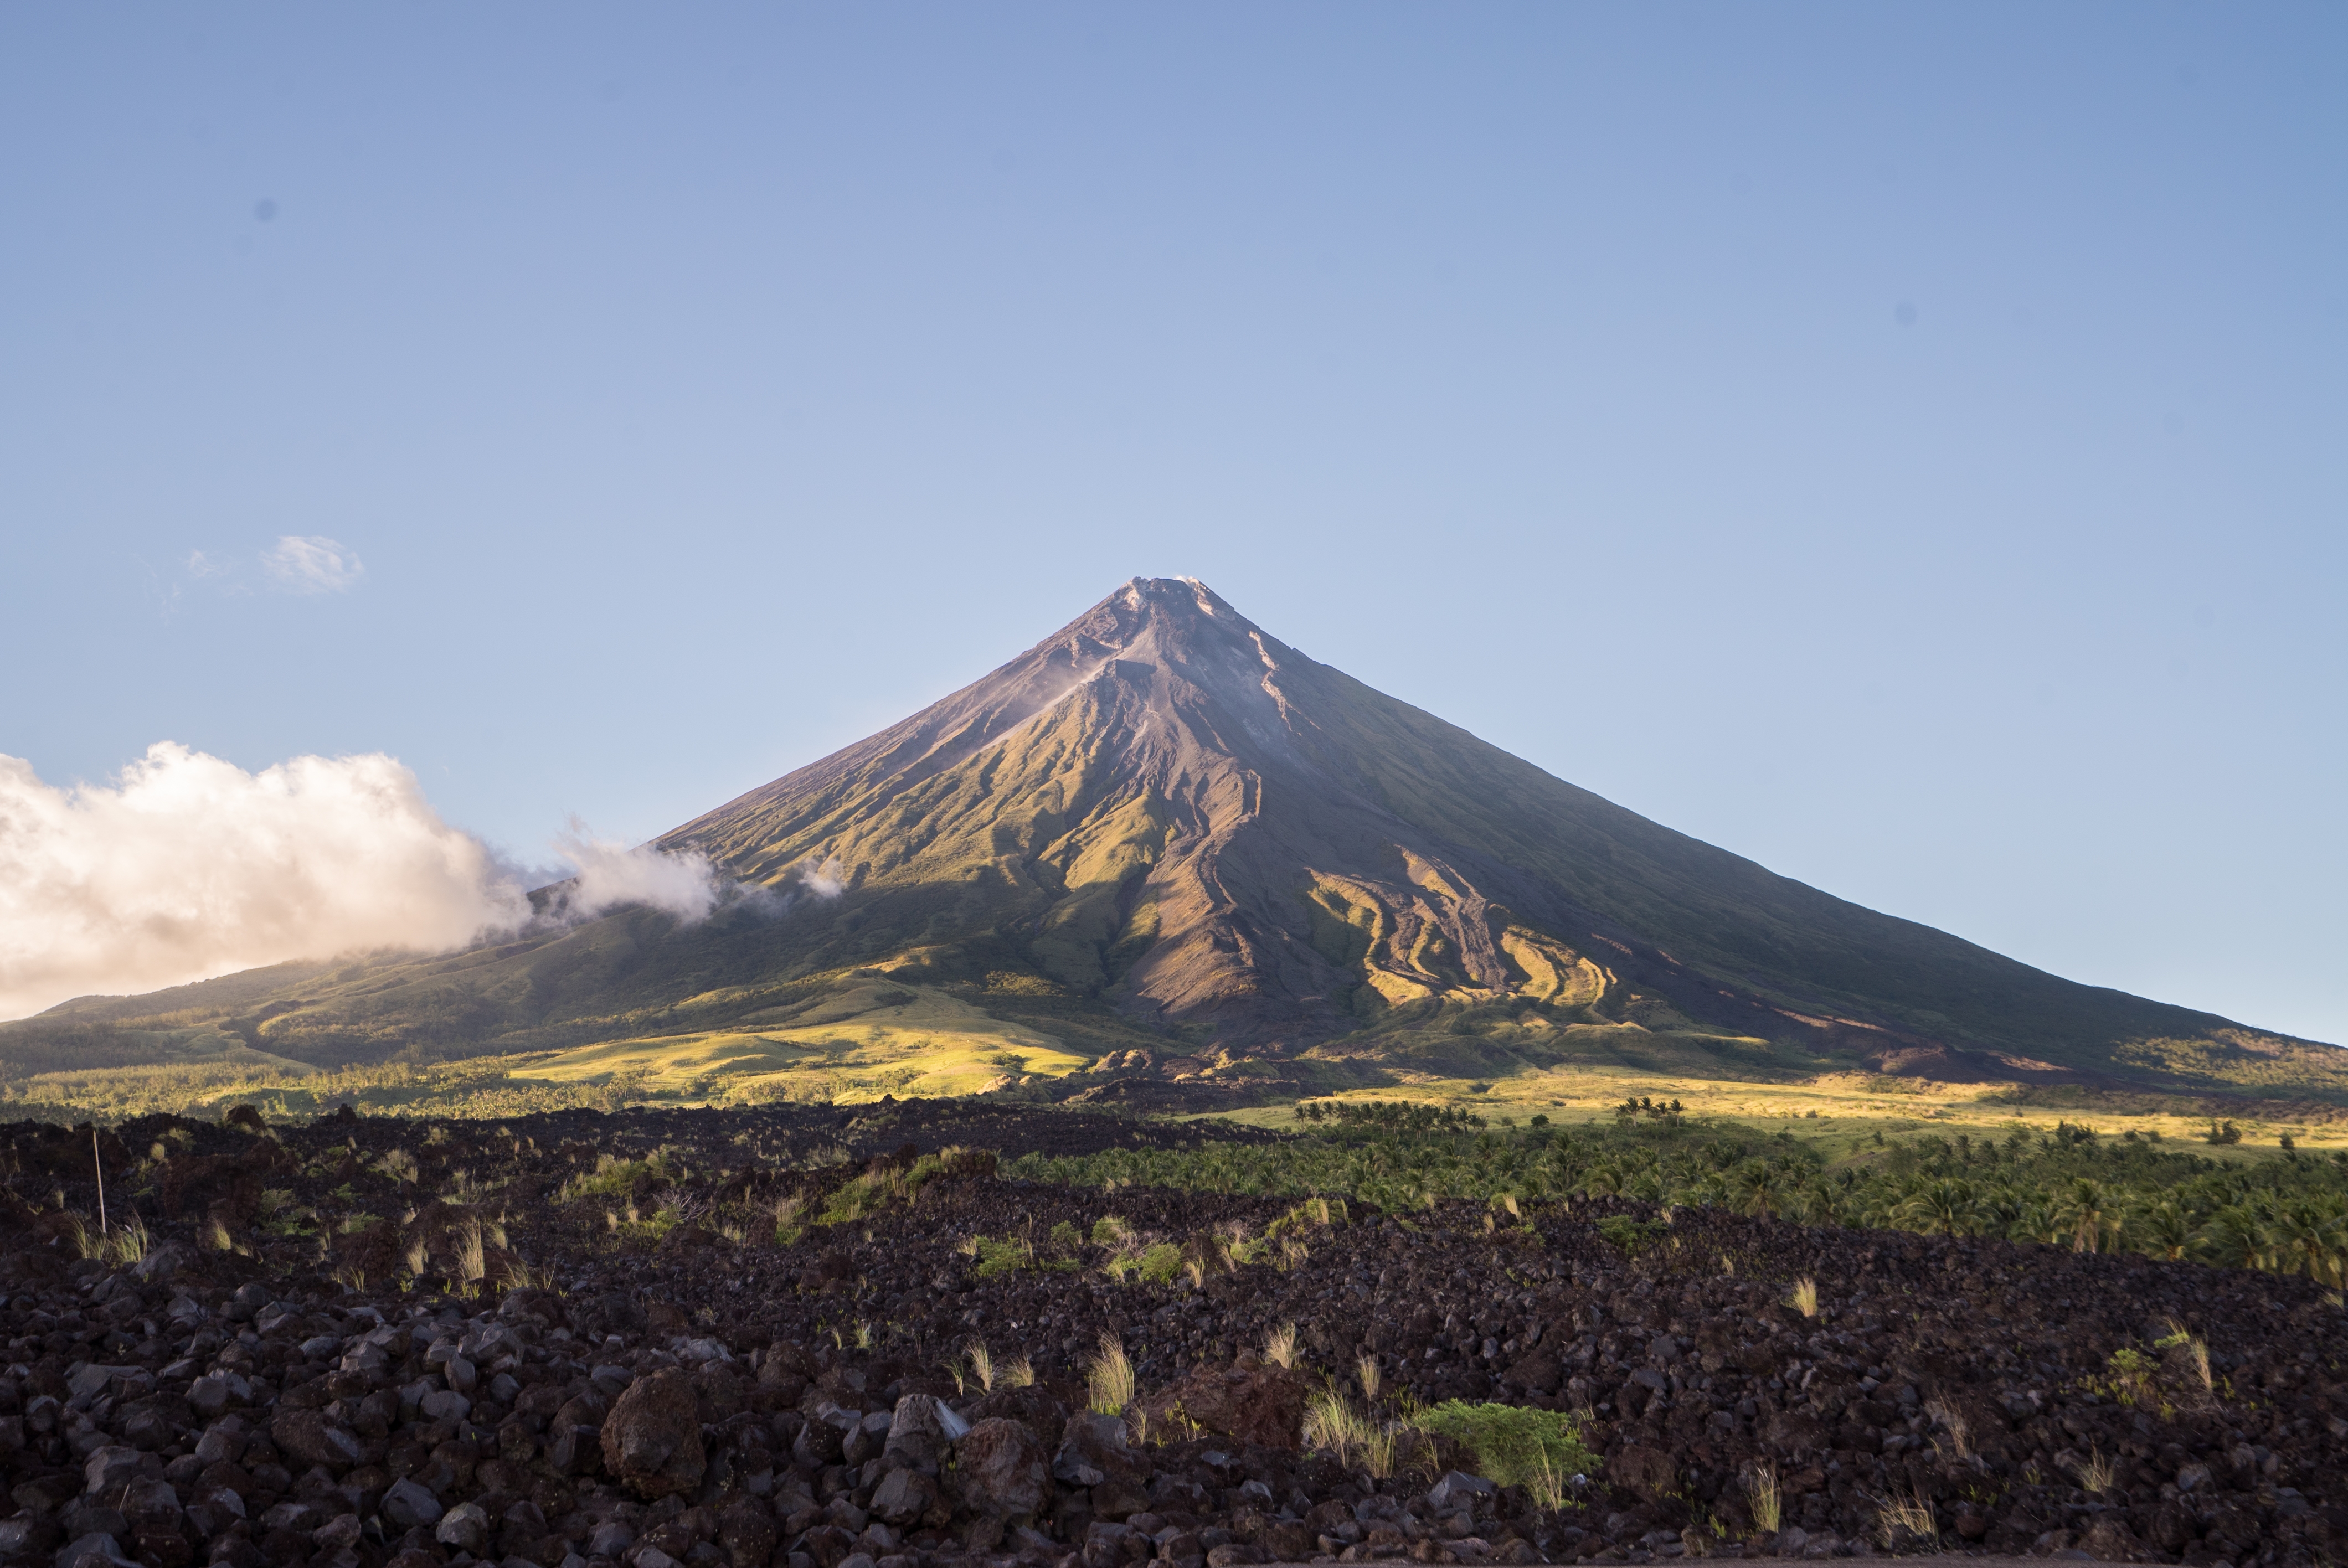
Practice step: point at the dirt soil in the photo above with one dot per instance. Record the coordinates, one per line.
(643, 1376)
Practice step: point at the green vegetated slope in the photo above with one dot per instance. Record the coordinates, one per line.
(1164, 830)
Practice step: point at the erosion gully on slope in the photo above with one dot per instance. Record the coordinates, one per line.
(579, 1341)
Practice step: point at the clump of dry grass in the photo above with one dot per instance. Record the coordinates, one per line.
(1110, 1377)
(472, 1253)
(1804, 1297)
(1280, 1347)
(1898, 1517)
(1953, 1445)
(1353, 1436)
(86, 1241)
(1366, 1372)
(1762, 1494)
(2095, 1472)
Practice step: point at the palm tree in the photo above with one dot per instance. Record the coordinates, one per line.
(2166, 1229)
(1940, 1207)
(2236, 1237)
(2090, 1212)
(2309, 1236)
(1757, 1189)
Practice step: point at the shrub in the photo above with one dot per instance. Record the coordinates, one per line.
(1514, 1446)
(1162, 1263)
(1630, 1236)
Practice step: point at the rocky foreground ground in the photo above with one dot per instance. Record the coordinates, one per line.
(434, 1345)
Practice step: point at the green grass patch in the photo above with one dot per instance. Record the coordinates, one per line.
(1514, 1446)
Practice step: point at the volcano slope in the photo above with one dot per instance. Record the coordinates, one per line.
(1164, 830)
(746, 1339)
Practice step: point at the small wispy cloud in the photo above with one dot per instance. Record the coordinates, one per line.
(309, 563)
(202, 565)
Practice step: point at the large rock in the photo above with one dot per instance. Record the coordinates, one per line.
(407, 1504)
(308, 1438)
(923, 1430)
(113, 1467)
(1031, 1406)
(652, 1438)
(1094, 1448)
(1262, 1405)
(747, 1532)
(903, 1497)
(151, 1508)
(1645, 1472)
(1001, 1470)
(465, 1527)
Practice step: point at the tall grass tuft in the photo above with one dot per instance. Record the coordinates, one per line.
(1280, 1347)
(1909, 1516)
(1350, 1435)
(86, 1242)
(1804, 1297)
(1110, 1377)
(1951, 1421)
(1762, 1494)
(472, 1253)
(129, 1243)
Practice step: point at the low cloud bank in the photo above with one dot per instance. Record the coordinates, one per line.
(611, 874)
(190, 868)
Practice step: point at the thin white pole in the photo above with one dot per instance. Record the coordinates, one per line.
(99, 1165)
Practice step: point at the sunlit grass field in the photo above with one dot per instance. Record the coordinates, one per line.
(1840, 1112)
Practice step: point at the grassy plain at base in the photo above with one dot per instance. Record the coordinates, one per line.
(1842, 1113)
(879, 1038)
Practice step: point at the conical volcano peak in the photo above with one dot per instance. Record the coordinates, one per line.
(1163, 811)
(1179, 608)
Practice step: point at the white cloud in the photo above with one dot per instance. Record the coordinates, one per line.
(190, 868)
(202, 565)
(311, 563)
(611, 874)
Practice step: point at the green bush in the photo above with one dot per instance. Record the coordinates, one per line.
(1513, 1446)
(1162, 1263)
(1008, 1255)
(1630, 1236)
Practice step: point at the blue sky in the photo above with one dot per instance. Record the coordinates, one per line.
(1902, 445)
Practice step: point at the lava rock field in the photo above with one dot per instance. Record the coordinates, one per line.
(346, 1385)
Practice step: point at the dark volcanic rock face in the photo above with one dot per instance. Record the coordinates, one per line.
(687, 1396)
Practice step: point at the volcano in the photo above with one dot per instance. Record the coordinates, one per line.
(1165, 808)
(1164, 830)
